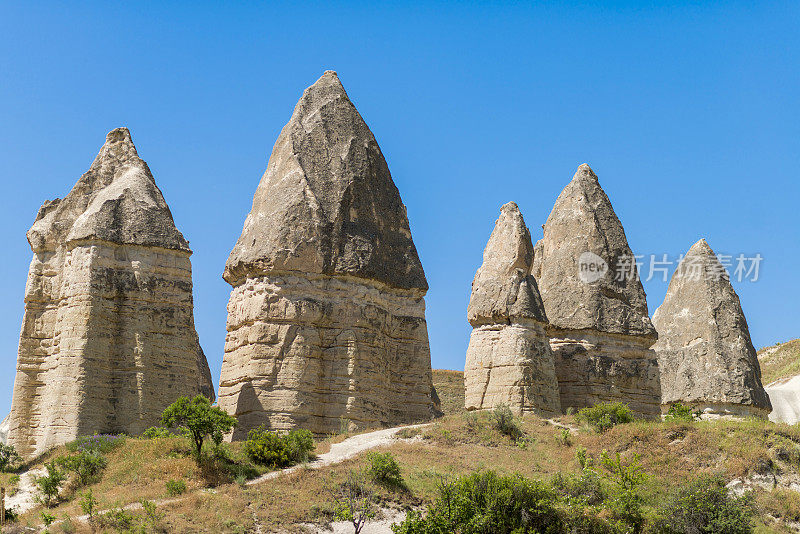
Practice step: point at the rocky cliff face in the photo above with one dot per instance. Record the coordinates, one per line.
(326, 320)
(601, 332)
(509, 360)
(704, 350)
(108, 338)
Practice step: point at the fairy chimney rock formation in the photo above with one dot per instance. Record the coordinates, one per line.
(704, 350)
(108, 338)
(509, 360)
(600, 333)
(326, 319)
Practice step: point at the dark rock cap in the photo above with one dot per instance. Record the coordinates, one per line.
(704, 349)
(503, 287)
(327, 203)
(116, 200)
(583, 225)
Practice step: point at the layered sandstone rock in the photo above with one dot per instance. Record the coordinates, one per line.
(326, 320)
(601, 333)
(108, 338)
(509, 360)
(704, 350)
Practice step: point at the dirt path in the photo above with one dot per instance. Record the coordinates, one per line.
(784, 394)
(25, 497)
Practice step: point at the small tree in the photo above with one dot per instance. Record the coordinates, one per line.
(200, 419)
(354, 500)
(48, 484)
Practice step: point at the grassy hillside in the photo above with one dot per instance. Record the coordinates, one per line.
(779, 361)
(450, 387)
(670, 453)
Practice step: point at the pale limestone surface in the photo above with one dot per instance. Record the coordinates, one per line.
(326, 319)
(705, 354)
(509, 360)
(601, 331)
(108, 338)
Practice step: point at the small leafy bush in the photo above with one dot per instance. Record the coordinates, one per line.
(506, 422)
(88, 504)
(384, 470)
(563, 437)
(87, 466)
(705, 505)
(175, 487)
(8, 457)
(118, 519)
(48, 484)
(605, 415)
(487, 502)
(354, 501)
(679, 412)
(625, 500)
(156, 432)
(271, 449)
(47, 518)
(101, 443)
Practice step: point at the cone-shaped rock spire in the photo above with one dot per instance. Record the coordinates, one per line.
(583, 221)
(327, 203)
(509, 360)
(108, 338)
(704, 350)
(595, 302)
(326, 320)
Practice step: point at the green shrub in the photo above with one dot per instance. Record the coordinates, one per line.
(156, 432)
(47, 518)
(354, 501)
(487, 502)
(505, 422)
(383, 469)
(563, 437)
(48, 484)
(118, 519)
(175, 487)
(8, 457)
(299, 444)
(88, 504)
(679, 412)
(625, 500)
(271, 449)
(605, 415)
(705, 505)
(265, 447)
(87, 466)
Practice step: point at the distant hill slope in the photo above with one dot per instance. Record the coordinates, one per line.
(450, 387)
(779, 361)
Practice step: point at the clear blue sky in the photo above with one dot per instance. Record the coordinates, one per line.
(688, 114)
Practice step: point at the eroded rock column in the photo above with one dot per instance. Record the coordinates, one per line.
(509, 360)
(326, 320)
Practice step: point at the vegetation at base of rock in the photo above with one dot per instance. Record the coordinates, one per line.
(384, 469)
(102, 443)
(506, 422)
(269, 448)
(175, 487)
(605, 415)
(680, 412)
(200, 419)
(156, 432)
(8, 457)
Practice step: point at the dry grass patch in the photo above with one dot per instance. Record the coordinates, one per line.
(450, 388)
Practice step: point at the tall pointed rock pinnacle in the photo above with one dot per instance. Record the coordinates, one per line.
(108, 338)
(327, 203)
(326, 320)
(509, 360)
(705, 354)
(595, 302)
